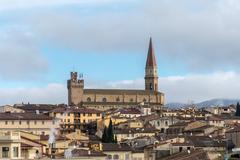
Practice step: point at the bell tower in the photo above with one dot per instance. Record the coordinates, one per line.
(75, 89)
(151, 73)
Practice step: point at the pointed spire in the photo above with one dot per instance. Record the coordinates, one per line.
(151, 60)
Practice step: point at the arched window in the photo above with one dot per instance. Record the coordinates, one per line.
(89, 99)
(109, 157)
(151, 86)
(104, 99)
(117, 99)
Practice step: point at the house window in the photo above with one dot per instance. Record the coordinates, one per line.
(27, 122)
(162, 130)
(89, 114)
(89, 99)
(131, 100)
(158, 123)
(144, 100)
(42, 122)
(127, 157)
(180, 149)
(15, 152)
(98, 114)
(104, 99)
(12, 122)
(109, 157)
(116, 157)
(68, 114)
(20, 122)
(117, 99)
(5, 152)
(68, 120)
(6, 122)
(35, 122)
(166, 123)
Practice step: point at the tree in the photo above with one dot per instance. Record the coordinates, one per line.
(110, 132)
(105, 135)
(237, 113)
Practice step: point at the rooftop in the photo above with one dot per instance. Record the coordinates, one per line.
(24, 116)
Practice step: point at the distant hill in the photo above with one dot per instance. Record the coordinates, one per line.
(175, 105)
(217, 102)
(207, 103)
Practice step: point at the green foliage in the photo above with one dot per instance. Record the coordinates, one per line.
(105, 135)
(108, 135)
(237, 113)
(110, 132)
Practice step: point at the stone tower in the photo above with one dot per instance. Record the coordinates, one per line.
(75, 89)
(151, 74)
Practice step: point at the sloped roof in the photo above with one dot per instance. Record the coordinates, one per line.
(116, 147)
(24, 116)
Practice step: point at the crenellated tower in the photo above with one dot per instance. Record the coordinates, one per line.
(151, 73)
(75, 89)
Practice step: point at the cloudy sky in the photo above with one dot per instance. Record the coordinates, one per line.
(196, 44)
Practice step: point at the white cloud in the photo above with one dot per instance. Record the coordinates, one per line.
(184, 31)
(6, 5)
(20, 57)
(197, 87)
(52, 93)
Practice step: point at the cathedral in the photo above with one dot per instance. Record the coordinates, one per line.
(112, 98)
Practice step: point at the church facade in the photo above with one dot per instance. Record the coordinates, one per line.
(112, 98)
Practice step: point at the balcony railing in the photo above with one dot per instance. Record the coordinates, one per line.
(9, 135)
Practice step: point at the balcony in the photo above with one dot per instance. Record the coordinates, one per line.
(9, 136)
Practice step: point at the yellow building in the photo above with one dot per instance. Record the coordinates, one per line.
(73, 118)
(10, 145)
(112, 98)
(29, 122)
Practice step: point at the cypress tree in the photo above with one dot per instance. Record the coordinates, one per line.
(105, 135)
(237, 110)
(110, 132)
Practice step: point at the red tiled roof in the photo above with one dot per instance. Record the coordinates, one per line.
(24, 116)
(130, 111)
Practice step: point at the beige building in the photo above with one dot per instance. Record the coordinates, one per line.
(29, 122)
(111, 98)
(10, 145)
